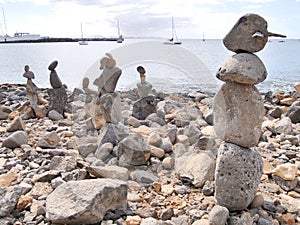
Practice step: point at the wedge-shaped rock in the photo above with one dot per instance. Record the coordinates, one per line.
(15, 140)
(245, 68)
(238, 114)
(85, 201)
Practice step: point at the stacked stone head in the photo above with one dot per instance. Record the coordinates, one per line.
(31, 88)
(58, 94)
(238, 114)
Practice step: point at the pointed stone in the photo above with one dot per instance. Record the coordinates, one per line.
(16, 124)
(240, 37)
(15, 140)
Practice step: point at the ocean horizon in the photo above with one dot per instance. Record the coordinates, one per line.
(189, 67)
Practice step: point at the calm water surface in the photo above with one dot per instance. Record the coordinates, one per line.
(281, 60)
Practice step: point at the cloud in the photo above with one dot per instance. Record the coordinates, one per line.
(257, 6)
(137, 18)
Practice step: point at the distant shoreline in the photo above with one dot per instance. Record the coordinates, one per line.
(51, 40)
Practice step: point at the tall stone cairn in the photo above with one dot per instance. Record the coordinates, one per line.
(58, 94)
(238, 114)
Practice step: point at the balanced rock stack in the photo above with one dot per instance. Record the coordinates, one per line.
(58, 94)
(238, 114)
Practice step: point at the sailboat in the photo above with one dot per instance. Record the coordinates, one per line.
(120, 36)
(173, 40)
(82, 41)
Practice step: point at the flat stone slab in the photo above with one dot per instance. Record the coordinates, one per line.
(244, 68)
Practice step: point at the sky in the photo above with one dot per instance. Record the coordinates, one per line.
(144, 18)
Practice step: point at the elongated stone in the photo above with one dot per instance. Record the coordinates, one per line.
(238, 173)
(245, 68)
(240, 38)
(238, 114)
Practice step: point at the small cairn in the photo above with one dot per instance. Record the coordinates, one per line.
(58, 94)
(144, 88)
(238, 114)
(31, 88)
(146, 104)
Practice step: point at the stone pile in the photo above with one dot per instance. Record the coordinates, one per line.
(31, 88)
(146, 104)
(163, 166)
(109, 100)
(238, 114)
(58, 94)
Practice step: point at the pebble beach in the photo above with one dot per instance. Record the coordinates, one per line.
(157, 170)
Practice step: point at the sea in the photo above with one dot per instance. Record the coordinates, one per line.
(188, 67)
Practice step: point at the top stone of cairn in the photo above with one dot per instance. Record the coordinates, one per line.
(249, 34)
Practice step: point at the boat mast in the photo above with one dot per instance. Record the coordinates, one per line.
(81, 30)
(118, 24)
(173, 29)
(1, 29)
(4, 20)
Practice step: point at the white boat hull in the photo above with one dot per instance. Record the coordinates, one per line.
(20, 37)
(83, 42)
(172, 42)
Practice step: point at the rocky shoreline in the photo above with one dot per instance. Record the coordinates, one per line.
(154, 171)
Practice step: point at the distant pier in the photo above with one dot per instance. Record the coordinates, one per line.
(46, 40)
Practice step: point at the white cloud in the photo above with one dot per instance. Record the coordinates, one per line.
(142, 18)
(256, 6)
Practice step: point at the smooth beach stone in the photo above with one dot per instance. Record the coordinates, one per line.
(53, 65)
(240, 37)
(238, 114)
(55, 80)
(245, 68)
(238, 173)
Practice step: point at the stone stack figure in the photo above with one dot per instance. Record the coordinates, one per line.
(31, 88)
(238, 114)
(146, 104)
(144, 88)
(58, 93)
(109, 100)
